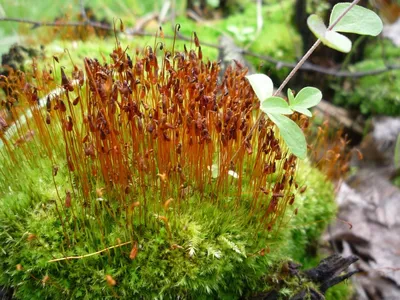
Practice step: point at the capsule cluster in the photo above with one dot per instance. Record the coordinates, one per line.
(150, 129)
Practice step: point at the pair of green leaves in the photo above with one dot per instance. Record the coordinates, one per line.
(358, 20)
(276, 108)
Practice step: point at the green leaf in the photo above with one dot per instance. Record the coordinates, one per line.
(316, 26)
(303, 111)
(358, 20)
(337, 41)
(308, 97)
(290, 96)
(262, 85)
(329, 38)
(291, 134)
(276, 105)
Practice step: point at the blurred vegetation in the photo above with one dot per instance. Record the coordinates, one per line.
(279, 38)
(377, 94)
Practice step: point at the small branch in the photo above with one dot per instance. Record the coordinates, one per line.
(83, 10)
(37, 24)
(137, 31)
(328, 273)
(312, 49)
(297, 67)
(334, 72)
(90, 254)
(322, 70)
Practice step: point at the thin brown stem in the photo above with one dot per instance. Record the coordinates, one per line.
(311, 50)
(295, 69)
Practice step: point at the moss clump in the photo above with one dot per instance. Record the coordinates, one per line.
(210, 251)
(121, 197)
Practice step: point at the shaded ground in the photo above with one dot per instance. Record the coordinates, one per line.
(370, 202)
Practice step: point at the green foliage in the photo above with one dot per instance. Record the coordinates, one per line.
(291, 134)
(396, 181)
(262, 86)
(307, 228)
(276, 107)
(211, 247)
(357, 20)
(343, 290)
(329, 38)
(307, 97)
(376, 94)
(345, 17)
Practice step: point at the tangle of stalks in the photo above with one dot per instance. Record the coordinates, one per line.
(145, 131)
(331, 151)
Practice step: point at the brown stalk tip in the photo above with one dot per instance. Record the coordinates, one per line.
(134, 251)
(110, 280)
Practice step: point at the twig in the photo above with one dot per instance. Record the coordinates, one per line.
(83, 10)
(311, 50)
(279, 64)
(318, 69)
(90, 254)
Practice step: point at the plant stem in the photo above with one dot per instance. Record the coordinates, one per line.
(311, 50)
(295, 69)
(90, 254)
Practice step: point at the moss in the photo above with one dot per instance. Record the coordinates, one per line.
(396, 181)
(211, 251)
(343, 290)
(376, 94)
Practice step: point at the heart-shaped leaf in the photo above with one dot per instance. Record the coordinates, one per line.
(262, 85)
(358, 20)
(275, 105)
(329, 38)
(306, 98)
(291, 134)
